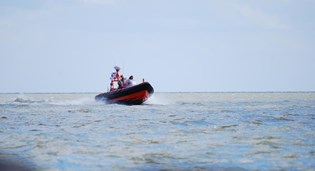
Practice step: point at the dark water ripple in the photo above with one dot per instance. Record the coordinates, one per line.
(187, 131)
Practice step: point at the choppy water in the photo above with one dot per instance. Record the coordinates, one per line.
(173, 131)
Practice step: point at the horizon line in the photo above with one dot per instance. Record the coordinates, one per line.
(285, 91)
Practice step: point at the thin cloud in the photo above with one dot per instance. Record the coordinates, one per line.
(261, 18)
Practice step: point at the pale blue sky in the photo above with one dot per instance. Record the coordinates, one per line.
(176, 45)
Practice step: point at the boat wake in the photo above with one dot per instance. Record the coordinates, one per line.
(74, 102)
(53, 100)
(23, 100)
(70, 99)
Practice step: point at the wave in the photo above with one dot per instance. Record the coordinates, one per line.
(21, 100)
(79, 101)
(29, 100)
(70, 99)
(53, 100)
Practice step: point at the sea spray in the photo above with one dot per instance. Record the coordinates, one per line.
(158, 100)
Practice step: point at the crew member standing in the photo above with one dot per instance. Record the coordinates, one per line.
(115, 77)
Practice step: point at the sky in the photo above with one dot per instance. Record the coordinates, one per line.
(176, 45)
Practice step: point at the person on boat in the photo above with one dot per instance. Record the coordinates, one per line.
(115, 77)
(121, 82)
(130, 82)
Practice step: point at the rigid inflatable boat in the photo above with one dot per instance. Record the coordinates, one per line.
(134, 95)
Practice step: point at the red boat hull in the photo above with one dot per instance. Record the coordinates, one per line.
(134, 95)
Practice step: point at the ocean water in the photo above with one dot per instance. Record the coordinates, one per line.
(172, 131)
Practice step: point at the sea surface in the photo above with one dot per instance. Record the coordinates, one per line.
(172, 131)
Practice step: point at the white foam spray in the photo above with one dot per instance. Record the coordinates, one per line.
(155, 100)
